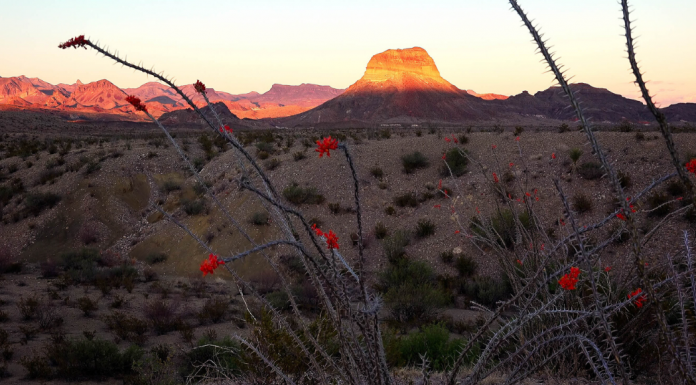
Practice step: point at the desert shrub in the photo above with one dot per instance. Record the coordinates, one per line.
(214, 310)
(128, 328)
(298, 156)
(390, 210)
(335, 208)
(590, 170)
(395, 245)
(93, 166)
(425, 228)
(675, 188)
(447, 256)
(563, 128)
(414, 161)
(8, 192)
(377, 172)
(155, 258)
(260, 218)
(88, 234)
(457, 161)
(227, 353)
(75, 359)
(278, 300)
(486, 290)
(463, 139)
(35, 203)
(272, 164)
(87, 305)
(501, 228)
(432, 342)
(163, 316)
(410, 291)
(625, 126)
(465, 265)
(47, 176)
(380, 230)
(170, 185)
(299, 195)
(194, 207)
(575, 153)
(266, 147)
(518, 130)
(582, 203)
(658, 204)
(28, 307)
(407, 199)
(9, 263)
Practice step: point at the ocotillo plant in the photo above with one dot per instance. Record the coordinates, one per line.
(568, 311)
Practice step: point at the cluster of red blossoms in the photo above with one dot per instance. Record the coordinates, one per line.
(691, 166)
(455, 140)
(331, 238)
(209, 265)
(135, 101)
(199, 87)
(569, 280)
(226, 128)
(75, 42)
(640, 298)
(323, 146)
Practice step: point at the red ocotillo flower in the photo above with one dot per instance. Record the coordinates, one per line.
(209, 265)
(569, 280)
(495, 178)
(75, 42)
(640, 297)
(691, 166)
(135, 101)
(199, 87)
(331, 238)
(323, 146)
(621, 216)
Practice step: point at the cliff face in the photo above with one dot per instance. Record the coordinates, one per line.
(396, 62)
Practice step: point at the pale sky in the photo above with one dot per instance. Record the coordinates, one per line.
(242, 46)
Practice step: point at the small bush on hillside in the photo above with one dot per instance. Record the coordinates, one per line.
(194, 207)
(407, 199)
(126, 327)
(272, 164)
(457, 161)
(35, 203)
(170, 185)
(501, 228)
(380, 230)
(414, 161)
(390, 210)
(87, 305)
(425, 228)
(228, 355)
(486, 290)
(377, 172)
(575, 154)
(676, 188)
(411, 291)
(582, 203)
(155, 258)
(624, 179)
(466, 266)
(590, 170)
(299, 155)
(447, 256)
(163, 316)
(395, 245)
(214, 310)
(432, 342)
(260, 218)
(299, 195)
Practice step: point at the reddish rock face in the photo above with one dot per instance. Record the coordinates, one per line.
(395, 62)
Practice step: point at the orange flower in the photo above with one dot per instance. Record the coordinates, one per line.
(639, 297)
(569, 280)
(209, 265)
(323, 146)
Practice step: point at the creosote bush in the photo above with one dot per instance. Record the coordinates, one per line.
(590, 170)
(425, 228)
(414, 161)
(457, 161)
(302, 195)
(582, 203)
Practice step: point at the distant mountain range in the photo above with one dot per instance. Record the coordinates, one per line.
(399, 86)
(103, 97)
(405, 86)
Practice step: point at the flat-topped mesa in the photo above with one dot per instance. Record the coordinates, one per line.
(393, 62)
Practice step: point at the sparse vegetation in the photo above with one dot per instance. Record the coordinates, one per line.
(302, 195)
(414, 161)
